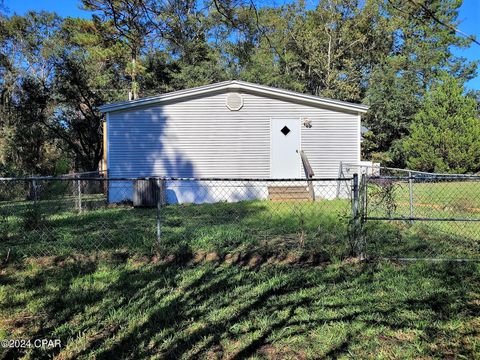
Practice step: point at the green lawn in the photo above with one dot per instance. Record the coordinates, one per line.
(118, 306)
(53, 227)
(440, 199)
(253, 279)
(318, 229)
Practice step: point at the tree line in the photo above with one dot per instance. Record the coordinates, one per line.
(394, 55)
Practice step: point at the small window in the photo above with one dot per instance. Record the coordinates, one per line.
(285, 130)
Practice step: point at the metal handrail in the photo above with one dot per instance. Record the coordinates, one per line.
(306, 164)
(308, 172)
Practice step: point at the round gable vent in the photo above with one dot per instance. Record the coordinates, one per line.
(234, 101)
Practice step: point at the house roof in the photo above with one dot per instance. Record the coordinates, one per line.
(235, 85)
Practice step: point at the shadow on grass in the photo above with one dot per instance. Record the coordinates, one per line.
(126, 308)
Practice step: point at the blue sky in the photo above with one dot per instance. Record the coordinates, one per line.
(469, 17)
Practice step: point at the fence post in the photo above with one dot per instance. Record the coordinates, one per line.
(363, 190)
(355, 215)
(365, 194)
(340, 176)
(159, 206)
(34, 189)
(79, 196)
(410, 188)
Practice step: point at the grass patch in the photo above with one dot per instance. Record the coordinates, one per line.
(319, 229)
(130, 307)
(51, 227)
(253, 279)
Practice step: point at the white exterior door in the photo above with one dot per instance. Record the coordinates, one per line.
(285, 141)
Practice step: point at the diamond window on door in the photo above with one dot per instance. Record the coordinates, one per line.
(285, 130)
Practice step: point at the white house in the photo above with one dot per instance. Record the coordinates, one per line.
(231, 129)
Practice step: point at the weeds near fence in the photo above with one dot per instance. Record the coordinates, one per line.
(382, 195)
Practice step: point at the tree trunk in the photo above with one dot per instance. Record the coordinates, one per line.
(134, 85)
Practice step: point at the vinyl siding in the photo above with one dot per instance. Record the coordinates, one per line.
(201, 137)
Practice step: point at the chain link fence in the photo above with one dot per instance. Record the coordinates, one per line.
(175, 217)
(388, 213)
(413, 215)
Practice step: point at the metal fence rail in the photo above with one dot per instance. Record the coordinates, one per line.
(174, 216)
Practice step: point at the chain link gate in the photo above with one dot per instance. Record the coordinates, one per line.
(420, 216)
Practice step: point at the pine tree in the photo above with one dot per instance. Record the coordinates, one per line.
(445, 134)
